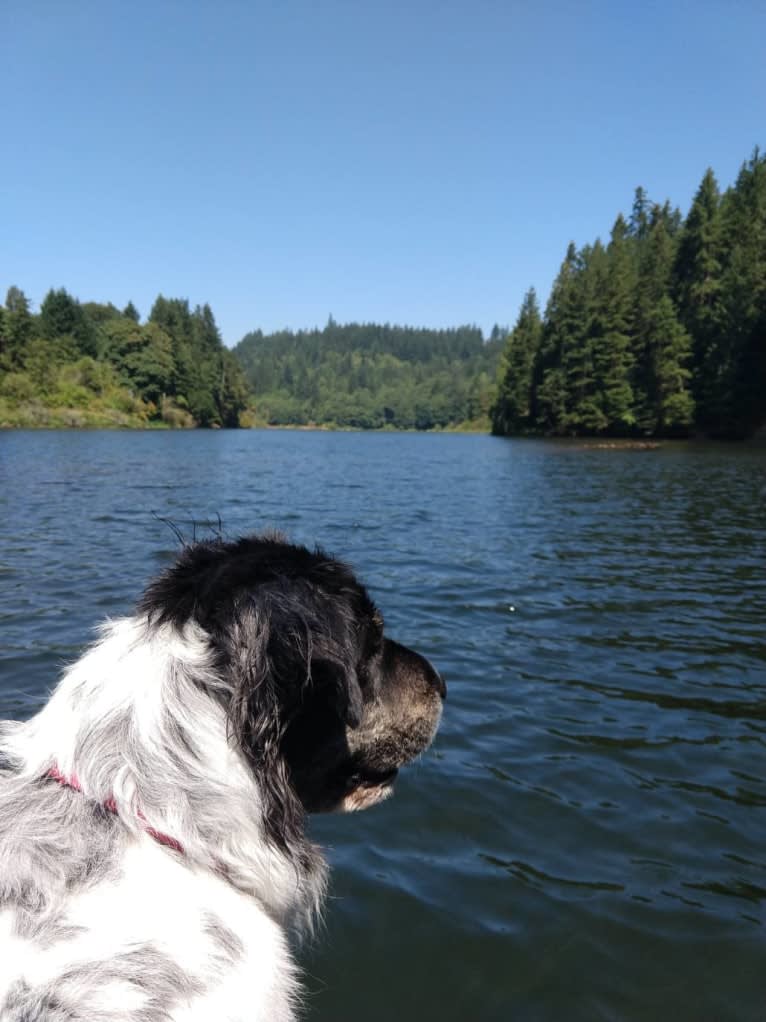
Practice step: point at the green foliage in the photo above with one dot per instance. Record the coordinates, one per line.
(15, 328)
(143, 356)
(369, 376)
(85, 392)
(669, 347)
(512, 410)
(206, 378)
(90, 364)
(661, 333)
(613, 357)
(740, 347)
(62, 316)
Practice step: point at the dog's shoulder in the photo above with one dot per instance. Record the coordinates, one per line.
(156, 938)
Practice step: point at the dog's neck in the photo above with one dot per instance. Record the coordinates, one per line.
(140, 720)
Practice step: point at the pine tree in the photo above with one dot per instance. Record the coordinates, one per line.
(17, 328)
(173, 316)
(699, 281)
(655, 262)
(511, 412)
(143, 356)
(206, 372)
(740, 397)
(62, 318)
(670, 348)
(562, 330)
(584, 411)
(639, 217)
(614, 360)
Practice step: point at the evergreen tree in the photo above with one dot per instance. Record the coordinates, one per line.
(614, 361)
(511, 412)
(584, 411)
(562, 330)
(655, 262)
(172, 315)
(670, 348)
(232, 394)
(62, 317)
(639, 217)
(739, 405)
(367, 374)
(699, 280)
(17, 328)
(143, 356)
(662, 331)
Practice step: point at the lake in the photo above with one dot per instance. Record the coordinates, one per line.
(587, 837)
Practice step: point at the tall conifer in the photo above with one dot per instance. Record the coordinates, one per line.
(563, 329)
(699, 280)
(511, 412)
(740, 402)
(614, 359)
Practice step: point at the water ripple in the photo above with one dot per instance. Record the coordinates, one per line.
(586, 839)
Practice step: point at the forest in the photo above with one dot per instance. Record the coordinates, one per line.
(660, 332)
(368, 376)
(90, 364)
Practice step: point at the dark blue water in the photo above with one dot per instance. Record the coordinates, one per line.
(587, 838)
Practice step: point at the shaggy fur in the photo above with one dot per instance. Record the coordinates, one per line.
(253, 685)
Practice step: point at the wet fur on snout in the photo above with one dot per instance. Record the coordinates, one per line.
(253, 685)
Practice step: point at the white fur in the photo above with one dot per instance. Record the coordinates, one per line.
(157, 899)
(112, 723)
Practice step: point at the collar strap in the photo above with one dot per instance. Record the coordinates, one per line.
(109, 804)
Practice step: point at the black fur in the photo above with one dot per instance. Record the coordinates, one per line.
(301, 644)
(253, 654)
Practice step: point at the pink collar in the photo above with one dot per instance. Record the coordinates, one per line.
(71, 782)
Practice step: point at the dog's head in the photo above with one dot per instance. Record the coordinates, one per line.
(325, 708)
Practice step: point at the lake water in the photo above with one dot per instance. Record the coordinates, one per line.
(587, 837)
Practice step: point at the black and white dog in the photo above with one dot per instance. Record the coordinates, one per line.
(152, 846)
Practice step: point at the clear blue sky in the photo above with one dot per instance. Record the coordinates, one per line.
(421, 162)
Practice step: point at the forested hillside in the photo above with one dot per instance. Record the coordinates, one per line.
(662, 331)
(89, 364)
(370, 376)
(659, 332)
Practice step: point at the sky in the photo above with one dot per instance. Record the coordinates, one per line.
(414, 162)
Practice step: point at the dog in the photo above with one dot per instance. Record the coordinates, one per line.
(153, 857)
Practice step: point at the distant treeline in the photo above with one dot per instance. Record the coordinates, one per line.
(660, 332)
(370, 376)
(90, 364)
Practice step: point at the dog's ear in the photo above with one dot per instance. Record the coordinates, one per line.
(278, 649)
(314, 639)
(265, 682)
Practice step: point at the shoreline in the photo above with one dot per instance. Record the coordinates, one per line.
(583, 443)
